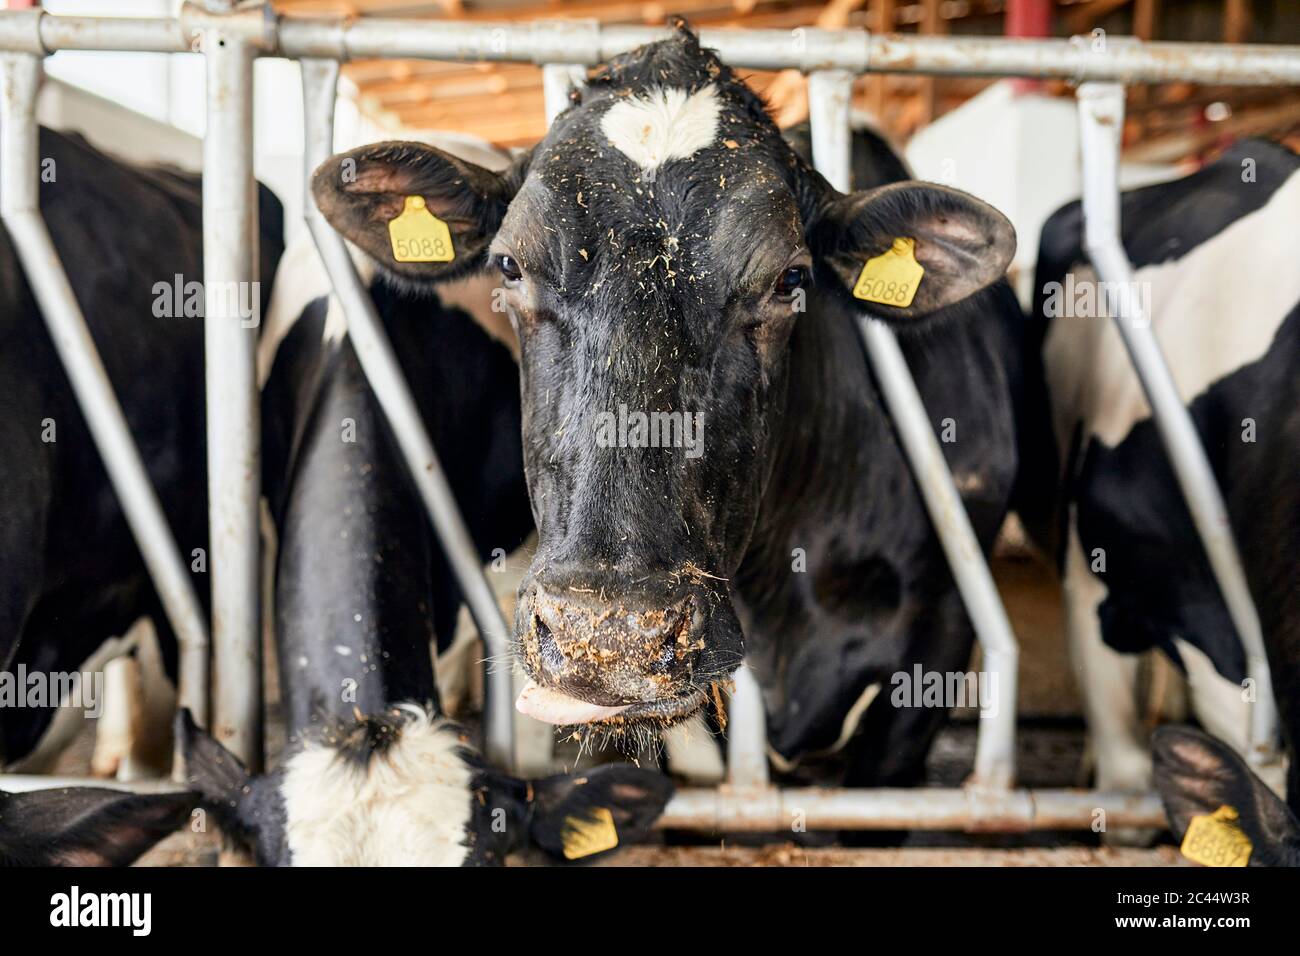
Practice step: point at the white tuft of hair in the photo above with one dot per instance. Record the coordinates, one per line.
(409, 806)
(663, 124)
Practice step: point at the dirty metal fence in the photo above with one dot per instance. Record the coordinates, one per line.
(231, 36)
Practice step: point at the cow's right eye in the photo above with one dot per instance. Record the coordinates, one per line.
(509, 268)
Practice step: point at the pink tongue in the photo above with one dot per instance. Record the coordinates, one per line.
(556, 708)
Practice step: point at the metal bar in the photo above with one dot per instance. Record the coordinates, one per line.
(829, 96)
(1101, 119)
(853, 50)
(24, 783)
(557, 80)
(20, 211)
(375, 353)
(230, 238)
(773, 810)
(746, 734)
(727, 809)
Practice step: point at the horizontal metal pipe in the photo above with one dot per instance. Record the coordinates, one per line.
(770, 810)
(1079, 59)
(734, 810)
(24, 783)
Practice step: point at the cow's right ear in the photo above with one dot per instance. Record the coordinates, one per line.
(1198, 776)
(577, 817)
(421, 213)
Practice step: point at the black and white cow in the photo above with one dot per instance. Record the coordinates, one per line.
(372, 773)
(664, 250)
(1212, 255)
(70, 573)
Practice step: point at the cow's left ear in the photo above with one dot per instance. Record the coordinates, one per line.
(419, 212)
(906, 250)
(578, 817)
(86, 826)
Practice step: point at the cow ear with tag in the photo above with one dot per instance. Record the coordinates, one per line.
(580, 817)
(1219, 811)
(421, 213)
(86, 826)
(907, 250)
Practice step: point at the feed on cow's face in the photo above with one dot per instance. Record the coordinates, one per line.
(658, 251)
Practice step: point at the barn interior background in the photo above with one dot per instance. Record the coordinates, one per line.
(1013, 143)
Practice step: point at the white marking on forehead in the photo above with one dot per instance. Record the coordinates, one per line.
(410, 807)
(662, 125)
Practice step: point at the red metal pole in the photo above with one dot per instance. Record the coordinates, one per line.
(1028, 18)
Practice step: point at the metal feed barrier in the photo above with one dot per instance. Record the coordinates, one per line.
(230, 37)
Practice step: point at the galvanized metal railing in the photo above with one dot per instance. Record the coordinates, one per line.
(231, 37)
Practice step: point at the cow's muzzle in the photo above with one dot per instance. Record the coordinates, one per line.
(617, 660)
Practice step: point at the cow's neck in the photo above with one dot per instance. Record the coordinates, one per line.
(821, 460)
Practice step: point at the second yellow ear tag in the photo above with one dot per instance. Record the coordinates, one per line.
(590, 834)
(892, 277)
(420, 236)
(1216, 839)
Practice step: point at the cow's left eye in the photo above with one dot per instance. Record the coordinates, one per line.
(796, 277)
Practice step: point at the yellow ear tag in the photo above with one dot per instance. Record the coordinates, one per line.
(891, 278)
(1216, 839)
(420, 236)
(590, 834)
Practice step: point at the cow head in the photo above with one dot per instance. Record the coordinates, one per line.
(656, 250)
(403, 788)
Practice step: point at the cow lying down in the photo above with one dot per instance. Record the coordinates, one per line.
(401, 788)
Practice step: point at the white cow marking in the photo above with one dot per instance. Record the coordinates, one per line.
(410, 807)
(663, 124)
(1214, 310)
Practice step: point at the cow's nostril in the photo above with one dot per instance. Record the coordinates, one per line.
(546, 645)
(676, 646)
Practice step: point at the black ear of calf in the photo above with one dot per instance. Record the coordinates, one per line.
(581, 817)
(962, 243)
(361, 191)
(86, 826)
(1197, 774)
(212, 771)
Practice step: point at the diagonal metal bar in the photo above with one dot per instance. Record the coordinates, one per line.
(384, 373)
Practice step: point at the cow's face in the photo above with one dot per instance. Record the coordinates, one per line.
(656, 251)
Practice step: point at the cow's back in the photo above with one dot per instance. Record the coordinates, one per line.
(1215, 253)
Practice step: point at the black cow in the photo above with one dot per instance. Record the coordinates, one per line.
(664, 252)
(1214, 262)
(70, 573)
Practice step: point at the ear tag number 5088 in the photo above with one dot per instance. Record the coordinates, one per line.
(420, 236)
(892, 277)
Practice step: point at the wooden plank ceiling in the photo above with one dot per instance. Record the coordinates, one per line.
(502, 102)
